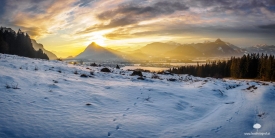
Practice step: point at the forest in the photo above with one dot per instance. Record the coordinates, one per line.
(250, 66)
(18, 44)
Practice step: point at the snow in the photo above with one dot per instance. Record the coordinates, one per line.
(220, 49)
(47, 103)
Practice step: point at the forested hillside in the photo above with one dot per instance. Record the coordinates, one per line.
(18, 44)
(251, 66)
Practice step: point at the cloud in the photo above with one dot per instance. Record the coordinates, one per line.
(159, 8)
(128, 19)
(234, 5)
(37, 18)
(184, 29)
(84, 3)
(35, 31)
(3, 3)
(128, 14)
(269, 27)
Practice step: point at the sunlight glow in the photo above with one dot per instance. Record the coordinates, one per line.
(100, 40)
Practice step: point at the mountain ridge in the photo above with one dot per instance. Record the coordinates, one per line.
(172, 50)
(38, 46)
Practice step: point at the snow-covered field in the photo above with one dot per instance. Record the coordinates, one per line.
(47, 99)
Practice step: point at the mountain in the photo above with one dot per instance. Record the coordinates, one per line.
(124, 48)
(158, 48)
(18, 44)
(137, 55)
(95, 52)
(182, 52)
(261, 48)
(218, 48)
(171, 49)
(38, 46)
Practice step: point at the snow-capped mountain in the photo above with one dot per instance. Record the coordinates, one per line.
(261, 48)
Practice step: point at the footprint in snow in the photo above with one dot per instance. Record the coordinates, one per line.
(191, 136)
(229, 103)
(107, 87)
(216, 130)
(117, 127)
(229, 120)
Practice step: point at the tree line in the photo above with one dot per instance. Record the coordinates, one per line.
(250, 66)
(18, 44)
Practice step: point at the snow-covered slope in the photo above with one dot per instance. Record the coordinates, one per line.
(47, 99)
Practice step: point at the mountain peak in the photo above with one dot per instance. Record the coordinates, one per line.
(97, 53)
(93, 44)
(218, 40)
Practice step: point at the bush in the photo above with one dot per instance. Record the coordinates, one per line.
(93, 64)
(92, 73)
(7, 86)
(84, 75)
(136, 73)
(117, 67)
(105, 70)
(140, 78)
(14, 85)
(155, 76)
(171, 79)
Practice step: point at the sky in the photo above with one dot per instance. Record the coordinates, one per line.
(67, 27)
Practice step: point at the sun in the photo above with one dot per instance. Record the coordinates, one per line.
(99, 39)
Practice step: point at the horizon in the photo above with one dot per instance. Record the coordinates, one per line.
(67, 28)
